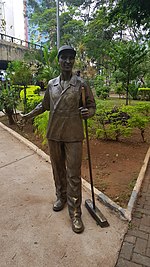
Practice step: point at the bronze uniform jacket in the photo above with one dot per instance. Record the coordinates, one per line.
(65, 122)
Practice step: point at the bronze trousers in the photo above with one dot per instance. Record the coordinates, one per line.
(66, 159)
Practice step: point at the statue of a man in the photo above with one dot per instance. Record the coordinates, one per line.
(65, 133)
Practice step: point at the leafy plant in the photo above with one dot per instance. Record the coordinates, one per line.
(118, 88)
(140, 117)
(40, 123)
(144, 93)
(32, 97)
(102, 90)
(50, 68)
(31, 90)
(19, 73)
(9, 99)
(112, 123)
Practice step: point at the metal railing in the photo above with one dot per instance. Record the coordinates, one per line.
(17, 41)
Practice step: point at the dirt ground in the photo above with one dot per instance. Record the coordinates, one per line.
(115, 165)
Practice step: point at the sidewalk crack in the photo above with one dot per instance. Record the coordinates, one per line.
(12, 162)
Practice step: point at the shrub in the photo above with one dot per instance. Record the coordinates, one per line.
(114, 123)
(31, 90)
(41, 122)
(120, 121)
(144, 93)
(33, 98)
(140, 117)
(9, 99)
(101, 89)
(32, 102)
(118, 88)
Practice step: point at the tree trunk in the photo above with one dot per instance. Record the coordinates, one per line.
(127, 95)
(25, 99)
(9, 113)
(128, 82)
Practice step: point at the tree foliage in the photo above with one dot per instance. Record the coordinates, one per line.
(98, 36)
(126, 57)
(135, 12)
(109, 36)
(49, 68)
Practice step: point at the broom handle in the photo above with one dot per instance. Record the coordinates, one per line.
(88, 148)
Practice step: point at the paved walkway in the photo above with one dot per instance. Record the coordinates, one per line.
(31, 234)
(135, 250)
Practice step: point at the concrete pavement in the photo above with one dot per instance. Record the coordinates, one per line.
(31, 234)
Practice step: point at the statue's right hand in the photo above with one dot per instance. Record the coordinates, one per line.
(21, 123)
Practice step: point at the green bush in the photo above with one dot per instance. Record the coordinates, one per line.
(101, 89)
(9, 99)
(112, 123)
(118, 88)
(32, 102)
(41, 122)
(140, 117)
(32, 96)
(31, 90)
(144, 93)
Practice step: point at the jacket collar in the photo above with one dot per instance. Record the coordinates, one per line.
(72, 82)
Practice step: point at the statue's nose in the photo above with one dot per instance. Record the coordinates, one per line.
(67, 59)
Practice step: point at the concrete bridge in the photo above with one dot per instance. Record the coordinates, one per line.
(12, 48)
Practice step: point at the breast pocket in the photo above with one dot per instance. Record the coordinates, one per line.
(71, 99)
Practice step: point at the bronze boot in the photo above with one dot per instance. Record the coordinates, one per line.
(77, 225)
(59, 204)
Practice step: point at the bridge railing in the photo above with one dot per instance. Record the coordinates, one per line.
(17, 41)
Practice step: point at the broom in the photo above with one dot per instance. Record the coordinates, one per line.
(90, 205)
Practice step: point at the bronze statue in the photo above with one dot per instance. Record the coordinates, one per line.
(65, 133)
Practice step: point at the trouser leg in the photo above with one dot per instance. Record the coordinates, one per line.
(57, 156)
(74, 191)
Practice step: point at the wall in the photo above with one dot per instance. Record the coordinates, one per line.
(13, 11)
(10, 51)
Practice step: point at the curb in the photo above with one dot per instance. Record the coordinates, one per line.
(125, 214)
(137, 186)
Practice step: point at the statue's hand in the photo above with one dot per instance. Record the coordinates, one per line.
(21, 123)
(84, 113)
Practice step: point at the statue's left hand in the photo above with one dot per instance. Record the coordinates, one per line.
(84, 113)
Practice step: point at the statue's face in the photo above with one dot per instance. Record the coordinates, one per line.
(66, 61)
